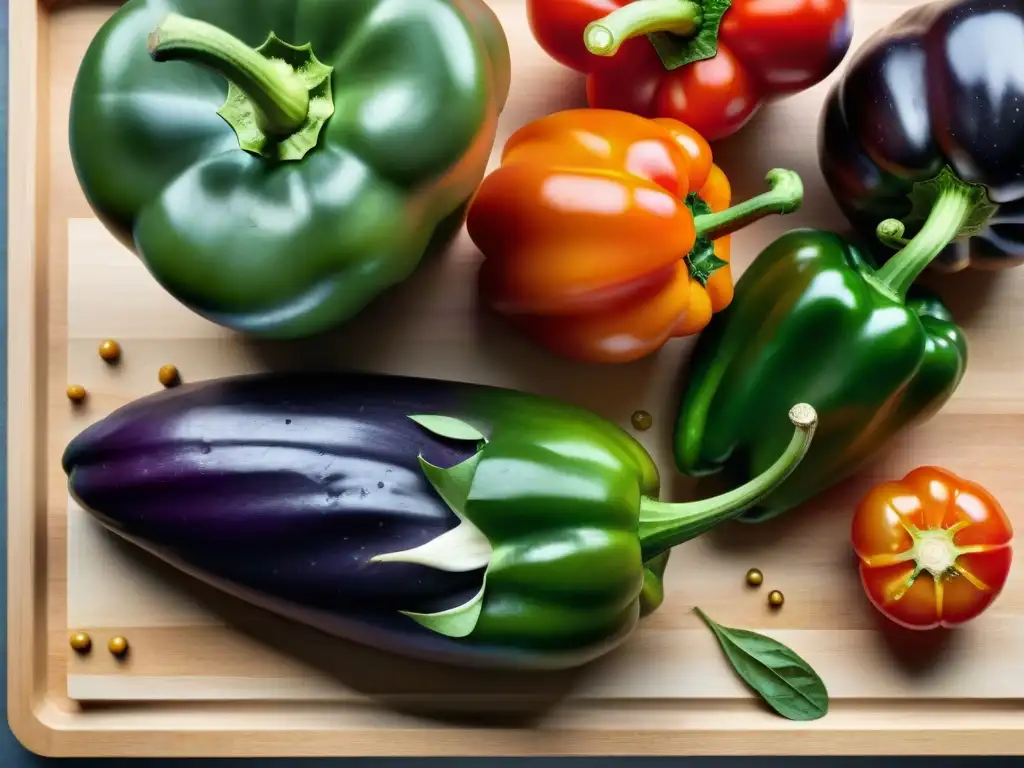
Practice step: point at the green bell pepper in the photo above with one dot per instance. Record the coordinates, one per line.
(278, 185)
(561, 510)
(813, 321)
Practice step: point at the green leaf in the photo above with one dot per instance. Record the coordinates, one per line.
(446, 426)
(452, 484)
(675, 51)
(784, 680)
(702, 260)
(455, 622)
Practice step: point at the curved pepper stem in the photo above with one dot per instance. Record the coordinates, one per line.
(785, 196)
(665, 525)
(279, 96)
(954, 208)
(642, 17)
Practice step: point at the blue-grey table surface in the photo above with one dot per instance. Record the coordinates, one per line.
(13, 755)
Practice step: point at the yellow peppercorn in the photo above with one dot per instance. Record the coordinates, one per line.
(110, 350)
(118, 646)
(76, 393)
(776, 599)
(642, 421)
(169, 376)
(81, 642)
(754, 577)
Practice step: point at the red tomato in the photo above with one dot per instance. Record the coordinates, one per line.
(934, 548)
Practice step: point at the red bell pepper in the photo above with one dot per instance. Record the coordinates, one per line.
(707, 63)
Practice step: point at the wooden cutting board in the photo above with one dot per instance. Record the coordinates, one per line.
(207, 675)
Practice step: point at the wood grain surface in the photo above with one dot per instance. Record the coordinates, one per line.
(207, 675)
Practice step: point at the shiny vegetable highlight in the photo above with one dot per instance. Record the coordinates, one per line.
(606, 234)
(814, 321)
(934, 548)
(453, 522)
(279, 165)
(708, 63)
(922, 136)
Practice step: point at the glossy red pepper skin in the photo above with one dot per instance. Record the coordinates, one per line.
(765, 49)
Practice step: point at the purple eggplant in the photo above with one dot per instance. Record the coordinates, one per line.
(453, 522)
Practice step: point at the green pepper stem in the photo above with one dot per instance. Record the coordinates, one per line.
(785, 195)
(665, 525)
(605, 36)
(955, 205)
(279, 95)
(890, 233)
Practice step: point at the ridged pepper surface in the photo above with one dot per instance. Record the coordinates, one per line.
(278, 164)
(813, 319)
(605, 234)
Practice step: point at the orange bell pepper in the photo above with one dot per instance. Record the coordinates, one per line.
(605, 234)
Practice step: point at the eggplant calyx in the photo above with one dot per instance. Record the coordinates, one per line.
(461, 549)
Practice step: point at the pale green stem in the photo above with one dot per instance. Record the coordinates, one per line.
(953, 208)
(279, 95)
(785, 195)
(605, 36)
(665, 525)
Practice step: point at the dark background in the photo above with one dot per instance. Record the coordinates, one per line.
(13, 755)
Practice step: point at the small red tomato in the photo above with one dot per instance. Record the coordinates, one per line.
(934, 548)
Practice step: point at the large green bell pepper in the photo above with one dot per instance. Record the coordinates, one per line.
(561, 510)
(813, 321)
(278, 189)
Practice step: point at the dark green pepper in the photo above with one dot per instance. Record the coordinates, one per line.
(277, 190)
(813, 321)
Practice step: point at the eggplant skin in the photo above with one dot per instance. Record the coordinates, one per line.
(279, 488)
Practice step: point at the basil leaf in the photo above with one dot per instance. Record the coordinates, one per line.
(676, 51)
(702, 260)
(776, 673)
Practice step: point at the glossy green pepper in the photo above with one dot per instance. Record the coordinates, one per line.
(278, 185)
(812, 320)
(561, 510)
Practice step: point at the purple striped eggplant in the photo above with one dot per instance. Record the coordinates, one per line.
(453, 522)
